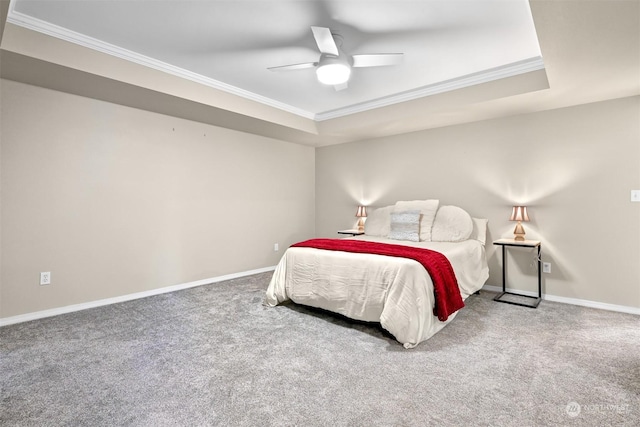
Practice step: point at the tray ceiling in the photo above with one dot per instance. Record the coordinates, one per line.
(207, 60)
(230, 44)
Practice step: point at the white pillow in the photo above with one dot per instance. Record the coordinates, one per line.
(405, 226)
(479, 232)
(452, 224)
(428, 210)
(378, 222)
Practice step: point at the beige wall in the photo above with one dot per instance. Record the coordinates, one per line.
(574, 167)
(114, 200)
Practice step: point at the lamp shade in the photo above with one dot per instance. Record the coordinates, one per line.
(519, 213)
(362, 212)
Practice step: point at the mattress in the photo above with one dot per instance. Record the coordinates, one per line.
(396, 292)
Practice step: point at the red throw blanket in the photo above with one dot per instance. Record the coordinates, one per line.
(447, 293)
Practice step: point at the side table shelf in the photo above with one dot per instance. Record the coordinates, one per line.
(534, 244)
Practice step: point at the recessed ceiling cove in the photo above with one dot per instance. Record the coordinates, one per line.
(232, 45)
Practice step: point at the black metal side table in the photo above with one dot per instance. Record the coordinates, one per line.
(354, 232)
(523, 244)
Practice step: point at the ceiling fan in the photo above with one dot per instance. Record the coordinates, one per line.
(334, 66)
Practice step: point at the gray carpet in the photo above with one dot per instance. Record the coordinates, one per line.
(213, 355)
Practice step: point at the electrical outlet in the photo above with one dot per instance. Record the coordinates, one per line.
(45, 278)
(276, 247)
(546, 267)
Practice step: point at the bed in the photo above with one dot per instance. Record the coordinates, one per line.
(395, 291)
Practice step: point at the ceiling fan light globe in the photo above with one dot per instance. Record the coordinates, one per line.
(333, 74)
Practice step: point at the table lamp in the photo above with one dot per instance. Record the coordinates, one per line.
(519, 213)
(360, 214)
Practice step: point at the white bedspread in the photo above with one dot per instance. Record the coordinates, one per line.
(397, 292)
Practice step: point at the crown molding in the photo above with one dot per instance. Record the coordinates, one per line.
(485, 76)
(65, 34)
(509, 70)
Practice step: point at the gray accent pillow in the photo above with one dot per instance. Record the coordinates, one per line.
(427, 210)
(405, 226)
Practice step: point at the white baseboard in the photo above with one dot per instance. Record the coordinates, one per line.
(573, 301)
(85, 305)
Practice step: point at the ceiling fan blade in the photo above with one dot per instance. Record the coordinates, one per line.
(377, 59)
(294, 66)
(325, 40)
(340, 87)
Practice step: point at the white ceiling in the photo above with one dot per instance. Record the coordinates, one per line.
(234, 42)
(458, 55)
